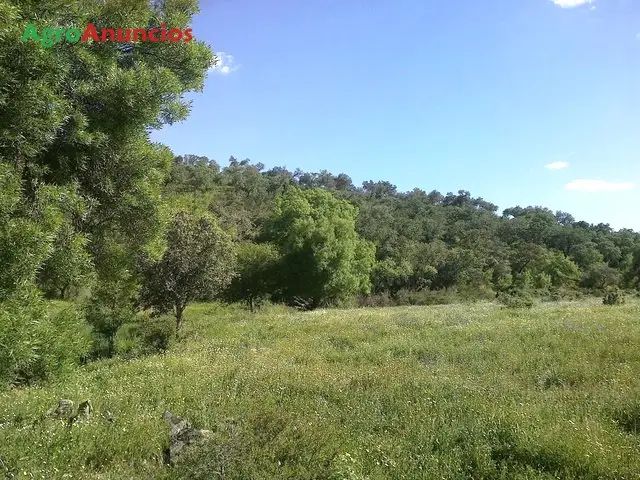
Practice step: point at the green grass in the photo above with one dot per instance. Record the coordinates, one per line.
(446, 392)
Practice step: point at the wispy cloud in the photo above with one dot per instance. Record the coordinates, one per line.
(557, 165)
(582, 185)
(571, 3)
(225, 64)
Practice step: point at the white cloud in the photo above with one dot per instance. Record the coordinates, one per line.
(225, 64)
(571, 3)
(557, 165)
(582, 185)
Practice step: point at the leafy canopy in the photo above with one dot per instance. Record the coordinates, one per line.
(323, 258)
(199, 263)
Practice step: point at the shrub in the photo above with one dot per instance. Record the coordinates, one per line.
(408, 297)
(147, 336)
(375, 300)
(37, 343)
(426, 297)
(64, 342)
(613, 296)
(516, 299)
(562, 293)
(108, 309)
(156, 334)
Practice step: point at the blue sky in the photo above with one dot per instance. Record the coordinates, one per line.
(480, 96)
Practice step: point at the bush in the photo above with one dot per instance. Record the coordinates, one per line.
(516, 299)
(148, 336)
(157, 334)
(109, 308)
(376, 300)
(558, 294)
(427, 297)
(613, 296)
(407, 297)
(475, 293)
(65, 342)
(38, 343)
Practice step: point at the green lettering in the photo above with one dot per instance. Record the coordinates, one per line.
(31, 32)
(48, 37)
(73, 35)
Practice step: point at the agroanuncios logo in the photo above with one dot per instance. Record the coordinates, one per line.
(48, 37)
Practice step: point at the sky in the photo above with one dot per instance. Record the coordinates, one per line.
(527, 102)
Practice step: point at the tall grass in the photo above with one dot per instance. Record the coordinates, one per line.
(472, 391)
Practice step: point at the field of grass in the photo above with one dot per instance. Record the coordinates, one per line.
(446, 392)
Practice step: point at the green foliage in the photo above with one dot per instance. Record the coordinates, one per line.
(80, 180)
(323, 258)
(27, 230)
(428, 297)
(156, 334)
(199, 263)
(599, 276)
(516, 298)
(613, 296)
(95, 106)
(69, 267)
(424, 241)
(146, 336)
(64, 342)
(110, 306)
(389, 275)
(256, 274)
(343, 394)
(34, 344)
(37, 343)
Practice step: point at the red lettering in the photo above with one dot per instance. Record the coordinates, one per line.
(124, 36)
(108, 32)
(90, 32)
(153, 35)
(187, 35)
(164, 32)
(137, 32)
(172, 35)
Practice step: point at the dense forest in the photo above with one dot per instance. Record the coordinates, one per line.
(428, 246)
(94, 213)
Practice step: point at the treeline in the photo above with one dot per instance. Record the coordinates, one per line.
(429, 247)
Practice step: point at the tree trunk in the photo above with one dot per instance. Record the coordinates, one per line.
(251, 306)
(111, 345)
(179, 318)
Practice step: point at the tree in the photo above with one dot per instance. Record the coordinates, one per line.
(30, 348)
(69, 266)
(390, 276)
(322, 257)
(633, 272)
(379, 189)
(77, 118)
(199, 262)
(255, 279)
(110, 306)
(599, 276)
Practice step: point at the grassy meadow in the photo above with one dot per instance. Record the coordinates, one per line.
(442, 392)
